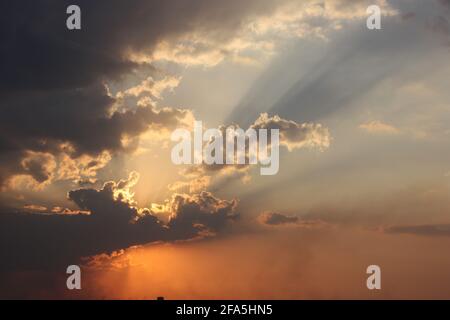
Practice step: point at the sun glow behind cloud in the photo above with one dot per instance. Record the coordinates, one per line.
(314, 264)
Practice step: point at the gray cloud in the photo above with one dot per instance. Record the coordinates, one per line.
(295, 135)
(313, 80)
(42, 54)
(279, 219)
(31, 240)
(192, 214)
(273, 218)
(52, 86)
(79, 118)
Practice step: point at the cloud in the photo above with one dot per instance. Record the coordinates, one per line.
(108, 220)
(210, 177)
(278, 219)
(192, 186)
(198, 213)
(273, 218)
(61, 210)
(72, 124)
(319, 79)
(295, 135)
(47, 96)
(82, 169)
(378, 127)
(62, 120)
(135, 26)
(258, 38)
(151, 88)
(422, 230)
(53, 91)
(35, 208)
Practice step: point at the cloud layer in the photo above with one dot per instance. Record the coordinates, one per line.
(37, 240)
(53, 98)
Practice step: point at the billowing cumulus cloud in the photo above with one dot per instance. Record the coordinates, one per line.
(317, 82)
(53, 79)
(292, 135)
(295, 135)
(52, 89)
(191, 214)
(60, 120)
(46, 51)
(81, 107)
(74, 123)
(155, 88)
(108, 220)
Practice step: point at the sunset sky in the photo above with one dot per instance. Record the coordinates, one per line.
(86, 175)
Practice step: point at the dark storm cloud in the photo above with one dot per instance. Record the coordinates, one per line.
(51, 88)
(200, 212)
(44, 121)
(80, 117)
(34, 241)
(422, 230)
(41, 53)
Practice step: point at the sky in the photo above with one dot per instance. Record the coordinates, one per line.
(86, 176)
